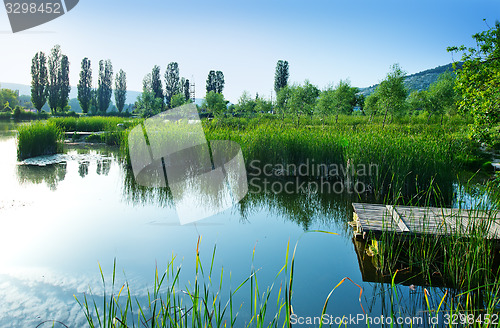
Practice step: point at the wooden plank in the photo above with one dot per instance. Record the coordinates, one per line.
(379, 218)
(397, 218)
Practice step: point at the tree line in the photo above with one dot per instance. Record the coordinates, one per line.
(50, 83)
(390, 99)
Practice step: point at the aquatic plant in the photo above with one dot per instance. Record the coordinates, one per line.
(38, 138)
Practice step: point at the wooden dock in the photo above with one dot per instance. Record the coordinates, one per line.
(374, 219)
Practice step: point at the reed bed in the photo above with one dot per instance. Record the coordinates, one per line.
(407, 158)
(203, 303)
(38, 138)
(92, 123)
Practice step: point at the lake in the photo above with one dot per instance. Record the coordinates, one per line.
(59, 222)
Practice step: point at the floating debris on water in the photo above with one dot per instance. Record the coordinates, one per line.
(62, 158)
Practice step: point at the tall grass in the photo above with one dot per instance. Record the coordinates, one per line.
(406, 157)
(38, 138)
(203, 303)
(92, 124)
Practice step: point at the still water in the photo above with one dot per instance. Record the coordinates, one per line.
(59, 222)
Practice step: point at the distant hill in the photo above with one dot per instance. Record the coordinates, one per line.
(418, 81)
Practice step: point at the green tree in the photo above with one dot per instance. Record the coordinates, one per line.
(171, 82)
(54, 85)
(121, 90)
(105, 85)
(64, 87)
(283, 101)
(392, 92)
(156, 85)
(219, 81)
(281, 75)
(246, 104)
(38, 81)
(186, 89)
(211, 82)
(478, 81)
(85, 85)
(93, 101)
(327, 102)
(372, 104)
(303, 99)
(8, 99)
(147, 104)
(263, 105)
(443, 97)
(178, 100)
(215, 103)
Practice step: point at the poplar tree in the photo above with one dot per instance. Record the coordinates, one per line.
(85, 85)
(38, 81)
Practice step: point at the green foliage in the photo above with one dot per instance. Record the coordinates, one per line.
(372, 104)
(39, 138)
(64, 87)
(219, 81)
(281, 75)
(392, 92)
(58, 80)
(105, 85)
(338, 100)
(410, 155)
(147, 104)
(85, 86)
(215, 103)
(185, 88)
(54, 75)
(91, 124)
(171, 82)
(210, 86)
(19, 114)
(156, 85)
(263, 105)
(120, 90)
(478, 81)
(303, 99)
(178, 100)
(38, 81)
(246, 104)
(8, 99)
(283, 97)
(215, 82)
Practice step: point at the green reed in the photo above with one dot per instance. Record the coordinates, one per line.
(38, 138)
(92, 123)
(202, 303)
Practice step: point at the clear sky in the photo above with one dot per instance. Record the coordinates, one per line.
(323, 41)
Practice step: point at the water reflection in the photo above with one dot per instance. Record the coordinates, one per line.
(51, 175)
(83, 168)
(103, 167)
(303, 209)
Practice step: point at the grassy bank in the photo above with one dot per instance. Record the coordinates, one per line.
(92, 123)
(408, 157)
(400, 159)
(38, 138)
(45, 137)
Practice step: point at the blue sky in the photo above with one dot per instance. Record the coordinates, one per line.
(323, 41)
